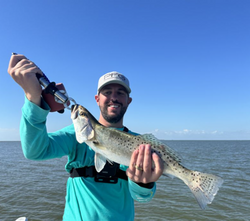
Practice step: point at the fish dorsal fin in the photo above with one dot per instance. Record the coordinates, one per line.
(149, 137)
(157, 144)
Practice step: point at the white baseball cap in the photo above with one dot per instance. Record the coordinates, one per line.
(113, 78)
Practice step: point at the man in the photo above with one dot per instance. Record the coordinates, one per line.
(90, 196)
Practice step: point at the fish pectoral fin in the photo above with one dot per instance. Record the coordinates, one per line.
(100, 162)
(91, 134)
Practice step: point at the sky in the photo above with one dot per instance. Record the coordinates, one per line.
(188, 61)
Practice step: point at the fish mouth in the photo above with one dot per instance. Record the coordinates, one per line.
(73, 107)
(74, 111)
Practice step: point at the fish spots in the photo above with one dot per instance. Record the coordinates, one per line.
(137, 138)
(124, 142)
(162, 149)
(196, 189)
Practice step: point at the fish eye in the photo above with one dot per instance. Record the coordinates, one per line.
(83, 114)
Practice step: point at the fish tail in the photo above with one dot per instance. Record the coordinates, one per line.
(204, 187)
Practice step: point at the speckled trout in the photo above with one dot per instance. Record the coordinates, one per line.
(117, 146)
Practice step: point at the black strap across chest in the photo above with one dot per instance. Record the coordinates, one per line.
(109, 174)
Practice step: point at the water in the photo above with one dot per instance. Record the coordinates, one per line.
(36, 189)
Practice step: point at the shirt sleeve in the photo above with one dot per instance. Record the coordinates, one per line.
(139, 193)
(37, 144)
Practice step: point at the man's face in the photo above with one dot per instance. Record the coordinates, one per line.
(113, 101)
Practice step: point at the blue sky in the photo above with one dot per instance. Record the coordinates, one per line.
(188, 62)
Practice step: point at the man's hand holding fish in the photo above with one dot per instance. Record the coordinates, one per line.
(140, 168)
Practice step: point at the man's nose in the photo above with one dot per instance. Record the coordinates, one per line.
(114, 97)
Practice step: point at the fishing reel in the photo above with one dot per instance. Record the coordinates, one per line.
(55, 95)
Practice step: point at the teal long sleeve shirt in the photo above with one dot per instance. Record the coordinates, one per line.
(85, 199)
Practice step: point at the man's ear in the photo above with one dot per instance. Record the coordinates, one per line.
(97, 99)
(129, 100)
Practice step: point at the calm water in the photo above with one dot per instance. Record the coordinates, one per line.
(36, 189)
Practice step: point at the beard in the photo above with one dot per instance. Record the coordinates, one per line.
(114, 118)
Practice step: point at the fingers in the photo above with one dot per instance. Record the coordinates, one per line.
(132, 172)
(133, 162)
(139, 162)
(140, 168)
(158, 169)
(147, 162)
(24, 71)
(19, 64)
(14, 59)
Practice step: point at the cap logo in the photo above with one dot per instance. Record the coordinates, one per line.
(115, 78)
(113, 75)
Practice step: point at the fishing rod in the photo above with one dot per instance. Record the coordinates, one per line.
(55, 95)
